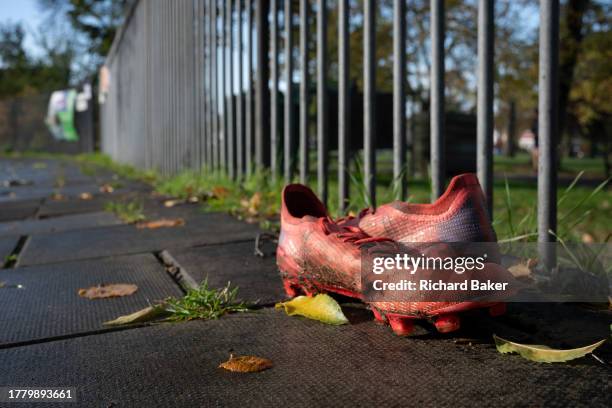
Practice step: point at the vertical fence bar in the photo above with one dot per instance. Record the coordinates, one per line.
(548, 117)
(437, 99)
(209, 89)
(369, 99)
(322, 137)
(304, 91)
(248, 143)
(274, 91)
(231, 136)
(223, 94)
(262, 117)
(399, 97)
(215, 86)
(344, 103)
(239, 96)
(289, 139)
(484, 145)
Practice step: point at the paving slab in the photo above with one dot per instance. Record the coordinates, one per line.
(41, 192)
(18, 210)
(362, 364)
(7, 245)
(56, 224)
(257, 278)
(52, 208)
(49, 294)
(206, 229)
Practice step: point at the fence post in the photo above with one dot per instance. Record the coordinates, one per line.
(344, 105)
(231, 136)
(484, 144)
(288, 142)
(369, 99)
(304, 91)
(399, 97)
(274, 91)
(548, 117)
(262, 117)
(437, 99)
(322, 137)
(215, 88)
(248, 144)
(239, 97)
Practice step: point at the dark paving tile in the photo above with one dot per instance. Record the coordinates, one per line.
(41, 192)
(212, 228)
(56, 224)
(18, 210)
(74, 205)
(314, 365)
(54, 308)
(257, 278)
(7, 245)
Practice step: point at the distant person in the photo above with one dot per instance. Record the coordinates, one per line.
(534, 150)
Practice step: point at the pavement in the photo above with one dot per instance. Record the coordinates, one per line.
(55, 243)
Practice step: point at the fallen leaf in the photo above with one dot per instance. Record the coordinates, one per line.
(85, 196)
(543, 354)
(193, 199)
(162, 223)
(144, 315)
(219, 192)
(106, 188)
(172, 203)
(57, 197)
(322, 307)
(246, 364)
(107, 291)
(587, 238)
(522, 269)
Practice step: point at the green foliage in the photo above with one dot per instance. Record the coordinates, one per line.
(204, 303)
(22, 74)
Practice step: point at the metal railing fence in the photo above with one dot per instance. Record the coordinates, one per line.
(196, 84)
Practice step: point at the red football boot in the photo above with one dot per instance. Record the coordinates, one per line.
(315, 254)
(459, 215)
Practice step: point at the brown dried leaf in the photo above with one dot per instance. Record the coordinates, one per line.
(107, 291)
(85, 196)
(219, 192)
(106, 188)
(161, 223)
(57, 197)
(523, 270)
(246, 364)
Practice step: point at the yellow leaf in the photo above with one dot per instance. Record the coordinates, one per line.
(107, 291)
(246, 364)
(85, 196)
(143, 315)
(543, 354)
(321, 307)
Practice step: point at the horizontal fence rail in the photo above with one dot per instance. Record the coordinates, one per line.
(200, 84)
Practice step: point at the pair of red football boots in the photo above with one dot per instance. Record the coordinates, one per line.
(317, 254)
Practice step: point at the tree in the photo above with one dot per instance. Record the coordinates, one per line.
(94, 23)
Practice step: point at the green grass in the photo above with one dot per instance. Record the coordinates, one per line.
(204, 303)
(257, 199)
(129, 212)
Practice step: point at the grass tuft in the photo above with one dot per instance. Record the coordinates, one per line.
(204, 303)
(130, 212)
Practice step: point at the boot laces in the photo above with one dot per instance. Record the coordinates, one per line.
(348, 233)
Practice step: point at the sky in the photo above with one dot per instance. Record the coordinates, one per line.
(26, 12)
